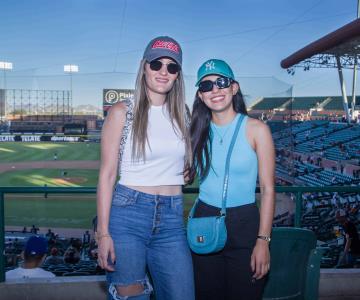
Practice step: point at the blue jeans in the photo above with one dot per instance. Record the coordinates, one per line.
(148, 233)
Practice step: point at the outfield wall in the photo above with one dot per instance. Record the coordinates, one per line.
(41, 138)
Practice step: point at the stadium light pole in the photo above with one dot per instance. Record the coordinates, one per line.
(70, 69)
(5, 66)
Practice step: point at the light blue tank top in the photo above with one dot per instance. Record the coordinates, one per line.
(243, 169)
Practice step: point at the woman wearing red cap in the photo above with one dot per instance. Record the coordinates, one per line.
(140, 222)
(237, 271)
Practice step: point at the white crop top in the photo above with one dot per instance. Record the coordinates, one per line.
(164, 154)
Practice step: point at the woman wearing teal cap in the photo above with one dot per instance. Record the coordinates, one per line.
(238, 270)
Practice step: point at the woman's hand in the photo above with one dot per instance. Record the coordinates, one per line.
(186, 175)
(105, 251)
(260, 259)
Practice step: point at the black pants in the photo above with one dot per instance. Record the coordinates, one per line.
(227, 275)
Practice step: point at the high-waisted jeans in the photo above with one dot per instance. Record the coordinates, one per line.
(148, 233)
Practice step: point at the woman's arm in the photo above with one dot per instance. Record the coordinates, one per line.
(261, 138)
(110, 143)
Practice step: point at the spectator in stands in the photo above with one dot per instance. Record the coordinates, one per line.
(144, 137)
(352, 243)
(341, 168)
(347, 156)
(86, 237)
(54, 258)
(354, 208)
(16, 243)
(309, 206)
(238, 270)
(292, 197)
(50, 235)
(72, 255)
(318, 160)
(356, 173)
(34, 254)
(86, 241)
(263, 116)
(334, 199)
(34, 229)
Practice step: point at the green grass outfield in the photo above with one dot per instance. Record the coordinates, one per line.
(57, 211)
(23, 152)
(50, 177)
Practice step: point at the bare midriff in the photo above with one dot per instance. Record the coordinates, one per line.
(164, 190)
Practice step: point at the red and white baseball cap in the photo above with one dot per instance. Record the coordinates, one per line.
(163, 46)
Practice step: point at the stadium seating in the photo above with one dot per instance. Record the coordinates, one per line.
(269, 103)
(336, 103)
(304, 103)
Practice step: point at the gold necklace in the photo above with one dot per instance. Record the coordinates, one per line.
(221, 137)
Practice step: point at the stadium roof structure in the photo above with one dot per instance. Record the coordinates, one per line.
(338, 49)
(343, 42)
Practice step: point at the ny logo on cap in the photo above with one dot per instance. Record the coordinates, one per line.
(210, 65)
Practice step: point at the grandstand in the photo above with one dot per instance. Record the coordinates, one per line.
(269, 103)
(76, 124)
(304, 103)
(318, 107)
(336, 103)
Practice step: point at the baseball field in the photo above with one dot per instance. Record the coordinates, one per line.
(51, 165)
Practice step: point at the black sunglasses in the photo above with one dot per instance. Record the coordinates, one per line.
(172, 68)
(221, 83)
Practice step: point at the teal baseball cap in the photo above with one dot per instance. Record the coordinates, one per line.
(214, 67)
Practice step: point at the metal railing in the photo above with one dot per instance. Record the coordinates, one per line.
(298, 191)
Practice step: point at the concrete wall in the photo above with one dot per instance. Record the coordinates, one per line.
(342, 284)
(335, 284)
(59, 288)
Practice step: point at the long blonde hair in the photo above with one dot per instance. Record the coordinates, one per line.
(175, 105)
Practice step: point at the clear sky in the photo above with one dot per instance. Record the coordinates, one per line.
(106, 39)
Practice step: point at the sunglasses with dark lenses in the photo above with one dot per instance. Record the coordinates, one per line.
(172, 68)
(221, 83)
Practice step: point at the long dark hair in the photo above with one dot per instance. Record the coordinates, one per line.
(200, 133)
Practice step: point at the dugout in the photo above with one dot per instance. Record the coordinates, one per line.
(75, 129)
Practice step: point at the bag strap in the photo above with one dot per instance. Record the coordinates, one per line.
(227, 165)
(226, 178)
